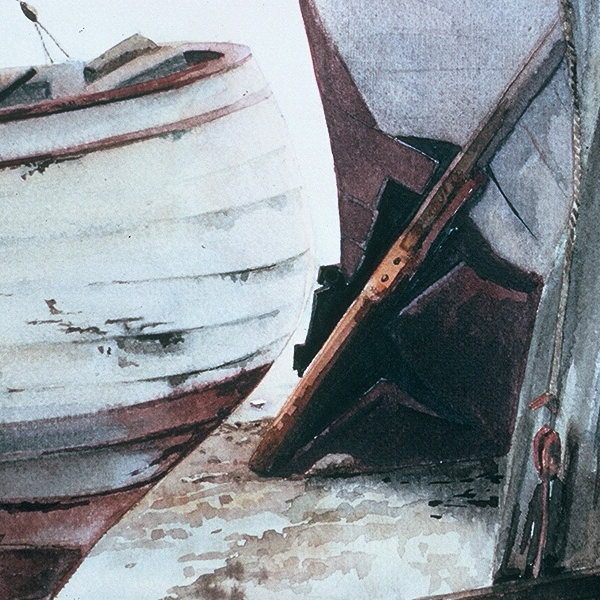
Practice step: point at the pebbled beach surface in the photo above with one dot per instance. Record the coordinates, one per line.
(213, 530)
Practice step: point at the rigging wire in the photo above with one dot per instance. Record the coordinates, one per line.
(31, 13)
(53, 39)
(46, 52)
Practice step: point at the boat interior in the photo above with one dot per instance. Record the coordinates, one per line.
(133, 61)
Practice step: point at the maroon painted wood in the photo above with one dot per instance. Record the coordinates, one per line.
(43, 542)
(364, 157)
(461, 345)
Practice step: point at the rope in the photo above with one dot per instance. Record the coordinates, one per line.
(31, 13)
(53, 39)
(559, 332)
(43, 44)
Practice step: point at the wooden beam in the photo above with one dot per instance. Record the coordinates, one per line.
(579, 585)
(19, 81)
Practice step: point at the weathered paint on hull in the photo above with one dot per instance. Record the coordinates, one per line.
(156, 263)
(44, 539)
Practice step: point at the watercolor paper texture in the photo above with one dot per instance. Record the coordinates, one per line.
(181, 417)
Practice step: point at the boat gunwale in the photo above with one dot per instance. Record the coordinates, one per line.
(233, 56)
(125, 139)
(130, 418)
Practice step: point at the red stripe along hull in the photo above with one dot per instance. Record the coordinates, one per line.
(43, 540)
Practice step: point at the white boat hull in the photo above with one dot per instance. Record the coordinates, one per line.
(155, 261)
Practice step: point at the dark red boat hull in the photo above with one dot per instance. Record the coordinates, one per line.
(44, 540)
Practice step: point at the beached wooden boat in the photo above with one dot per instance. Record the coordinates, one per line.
(474, 348)
(154, 261)
(436, 370)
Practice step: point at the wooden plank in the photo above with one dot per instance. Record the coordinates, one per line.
(21, 80)
(115, 57)
(583, 585)
(454, 188)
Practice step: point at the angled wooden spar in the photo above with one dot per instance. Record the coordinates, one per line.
(455, 187)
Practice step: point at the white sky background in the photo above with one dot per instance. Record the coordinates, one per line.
(272, 28)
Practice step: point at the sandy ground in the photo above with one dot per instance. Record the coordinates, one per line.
(213, 530)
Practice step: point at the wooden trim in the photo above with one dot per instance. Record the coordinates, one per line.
(575, 585)
(139, 420)
(233, 56)
(454, 188)
(179, 415)
(142, 134)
